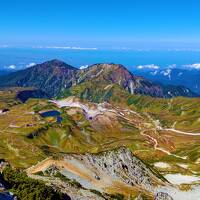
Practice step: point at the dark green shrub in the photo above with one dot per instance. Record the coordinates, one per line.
(26, 188)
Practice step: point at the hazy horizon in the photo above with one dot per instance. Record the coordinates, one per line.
(19, 58)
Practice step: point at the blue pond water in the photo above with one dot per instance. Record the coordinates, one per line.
(52, 113)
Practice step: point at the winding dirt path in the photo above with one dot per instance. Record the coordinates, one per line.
(161, 149)
(159, 127)
(180, 132)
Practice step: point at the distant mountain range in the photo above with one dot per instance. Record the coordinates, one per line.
(57, 78)
(4, 72)
(189, 78)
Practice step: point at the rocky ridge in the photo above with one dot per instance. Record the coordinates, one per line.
(55, 77)
(104, 172)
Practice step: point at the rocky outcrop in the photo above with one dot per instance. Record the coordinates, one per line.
(123, 165)
(162, 196)
(103, 172)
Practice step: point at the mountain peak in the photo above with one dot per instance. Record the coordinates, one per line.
(110, 69)
(51, 77)
(117, 74)
(110, 66)
(56, 63)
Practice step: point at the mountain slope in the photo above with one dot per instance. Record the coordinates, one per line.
(164, 133)
(55, 78)
(50, 77)
(118, 74)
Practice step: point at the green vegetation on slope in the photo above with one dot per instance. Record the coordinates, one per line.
(26, 188)
(184, 111)
(181, 112)
(27, 138)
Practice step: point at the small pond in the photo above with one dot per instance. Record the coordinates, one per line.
(52, 113)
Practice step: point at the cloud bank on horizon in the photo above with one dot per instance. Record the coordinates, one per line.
(150, 67)
(11, 67)
(17, 67)
(30, 64)
(193, 66)
(66, 47)
(172, 66)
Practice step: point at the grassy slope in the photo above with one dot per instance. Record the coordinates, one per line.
(180, 113)
(184, 111)
(72, 135)
(7, 99)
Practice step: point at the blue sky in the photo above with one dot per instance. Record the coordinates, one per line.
(101, 23)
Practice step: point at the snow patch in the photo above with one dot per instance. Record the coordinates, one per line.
(181, 179)
(167, 72)
(161, 165)
(176, 194)
(83, 67)
(154, 73)
(30, 64)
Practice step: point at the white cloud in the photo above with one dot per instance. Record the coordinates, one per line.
(84, 48)
(30, 64)
(151, 66)
(11, 67)
(66, 47)
(193, 66)
(185, 49)
(83, 67)
(122, 48)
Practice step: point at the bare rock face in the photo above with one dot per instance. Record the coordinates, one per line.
(119, 165)
(162, 196)
(115, 170)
